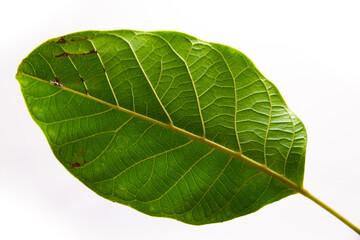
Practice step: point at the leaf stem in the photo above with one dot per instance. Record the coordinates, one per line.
(307, 194)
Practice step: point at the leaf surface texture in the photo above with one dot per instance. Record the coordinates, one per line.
(159, 121)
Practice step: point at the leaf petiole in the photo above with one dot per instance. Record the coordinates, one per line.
(307, 194)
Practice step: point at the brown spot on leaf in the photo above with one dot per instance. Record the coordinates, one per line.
(65, 54)
(75, 165)
(79, 156)
(61, 40)
(57, 82)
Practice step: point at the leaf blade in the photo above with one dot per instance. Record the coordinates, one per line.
(199, 189)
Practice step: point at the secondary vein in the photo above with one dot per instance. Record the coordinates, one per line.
(106, 75)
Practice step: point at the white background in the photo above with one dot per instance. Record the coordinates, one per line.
(309, 49)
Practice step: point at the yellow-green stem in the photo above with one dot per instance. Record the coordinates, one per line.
(305, 193)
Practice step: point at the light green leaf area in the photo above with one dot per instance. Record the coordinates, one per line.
(165, 123)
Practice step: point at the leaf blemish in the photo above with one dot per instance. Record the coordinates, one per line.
(75, 165)
(61, 40)
(57, 82)
(65, 54)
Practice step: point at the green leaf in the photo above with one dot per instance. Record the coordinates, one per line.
(165, 123)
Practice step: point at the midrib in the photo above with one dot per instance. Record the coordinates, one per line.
(190, 135)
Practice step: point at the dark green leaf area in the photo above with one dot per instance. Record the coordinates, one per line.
(152, 120)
